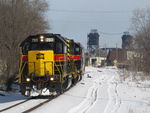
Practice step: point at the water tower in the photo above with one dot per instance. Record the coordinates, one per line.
(93, 40)
(127, 40)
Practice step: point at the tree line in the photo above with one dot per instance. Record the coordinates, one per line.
(18, 19)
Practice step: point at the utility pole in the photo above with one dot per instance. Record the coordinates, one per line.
(116, 52)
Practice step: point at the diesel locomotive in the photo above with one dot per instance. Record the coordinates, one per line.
(49, 63)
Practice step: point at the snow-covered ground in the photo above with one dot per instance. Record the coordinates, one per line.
(100, 91)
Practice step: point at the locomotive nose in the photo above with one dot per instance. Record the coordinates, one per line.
(41, 63)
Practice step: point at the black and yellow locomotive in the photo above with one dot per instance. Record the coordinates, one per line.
(49, 62)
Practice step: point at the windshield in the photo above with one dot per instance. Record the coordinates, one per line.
(36, 46)
(41, 46)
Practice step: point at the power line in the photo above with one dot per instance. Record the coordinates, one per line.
(106, 33)
(89, 11)
(96, 12)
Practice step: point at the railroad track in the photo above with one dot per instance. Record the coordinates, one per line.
(33, 108)
(12, 106)
(49, 98)
(40, 104)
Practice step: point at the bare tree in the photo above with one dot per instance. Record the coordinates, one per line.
(19, 19)
(141, 25)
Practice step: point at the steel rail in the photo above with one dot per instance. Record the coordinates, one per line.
(7, 108)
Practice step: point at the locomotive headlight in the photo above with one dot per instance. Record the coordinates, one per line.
(28, 79)
(41, 38)
(52, 78)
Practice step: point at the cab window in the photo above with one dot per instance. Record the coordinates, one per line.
(59, 48)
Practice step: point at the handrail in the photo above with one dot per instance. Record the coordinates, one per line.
(73, 65)
(58, 71)
(21, 70)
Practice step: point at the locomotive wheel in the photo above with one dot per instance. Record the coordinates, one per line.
(75, 80)
(60, 89)
(28, 93)
(22, 89)
(69, 82)
(79, 77)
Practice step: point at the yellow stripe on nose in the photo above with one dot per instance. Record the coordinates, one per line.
(68, 50)
(68, 45)
(68, 41)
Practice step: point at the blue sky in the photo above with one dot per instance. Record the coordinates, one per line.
(75, 18)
